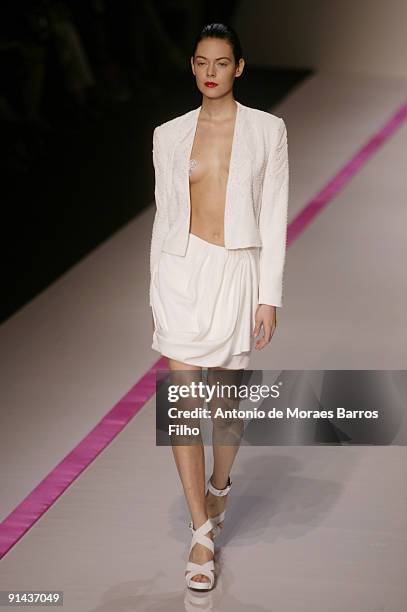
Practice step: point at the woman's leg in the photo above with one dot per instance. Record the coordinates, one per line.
(227, 434)
(190, 461)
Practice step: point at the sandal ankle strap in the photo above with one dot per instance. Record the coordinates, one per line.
(219, 492)
(214, 524)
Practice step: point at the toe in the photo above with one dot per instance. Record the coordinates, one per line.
(200, 578)
(203, 578)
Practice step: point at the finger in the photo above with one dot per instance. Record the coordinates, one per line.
(267, 334)
(266, 338)
(273, 329)
(260, 344)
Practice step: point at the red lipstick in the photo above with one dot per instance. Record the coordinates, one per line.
(211, 84)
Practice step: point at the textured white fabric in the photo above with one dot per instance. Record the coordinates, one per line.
(256, 206)
(204, 304)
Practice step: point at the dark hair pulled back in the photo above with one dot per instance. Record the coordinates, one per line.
(220, 30)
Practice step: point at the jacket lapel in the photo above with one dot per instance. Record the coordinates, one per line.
(241, 155)
(180, 162)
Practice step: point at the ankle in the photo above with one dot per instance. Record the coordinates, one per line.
(219, 484)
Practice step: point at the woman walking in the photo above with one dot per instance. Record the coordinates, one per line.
(217, 259)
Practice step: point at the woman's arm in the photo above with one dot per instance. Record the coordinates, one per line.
(160, 225)
(273, 222)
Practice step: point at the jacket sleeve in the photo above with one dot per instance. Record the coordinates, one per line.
(160, 224)
(273, 222)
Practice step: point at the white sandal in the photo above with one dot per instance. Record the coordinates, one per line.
(219, 493)
(207, 569)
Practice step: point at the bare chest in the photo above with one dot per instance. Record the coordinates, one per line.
(211, 153)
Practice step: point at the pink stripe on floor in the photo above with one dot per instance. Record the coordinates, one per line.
(23, 517)
(338, 182)
(37, 502)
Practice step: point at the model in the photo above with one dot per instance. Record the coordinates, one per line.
(217, 256)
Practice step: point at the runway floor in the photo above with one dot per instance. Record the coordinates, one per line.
(308, 528)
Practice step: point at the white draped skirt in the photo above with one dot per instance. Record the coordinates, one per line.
(204, 304)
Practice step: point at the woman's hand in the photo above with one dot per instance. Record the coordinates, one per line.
(266, 317)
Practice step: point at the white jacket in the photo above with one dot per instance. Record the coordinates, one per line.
(256, 194)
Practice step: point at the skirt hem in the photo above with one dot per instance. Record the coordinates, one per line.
(237, 361)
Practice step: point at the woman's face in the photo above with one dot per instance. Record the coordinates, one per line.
(213, 62)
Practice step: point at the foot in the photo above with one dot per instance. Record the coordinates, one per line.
(201, 554)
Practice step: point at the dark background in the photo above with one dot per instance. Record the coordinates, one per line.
(83, 83)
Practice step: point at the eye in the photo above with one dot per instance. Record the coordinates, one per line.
(223, 63)
(201, 63)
